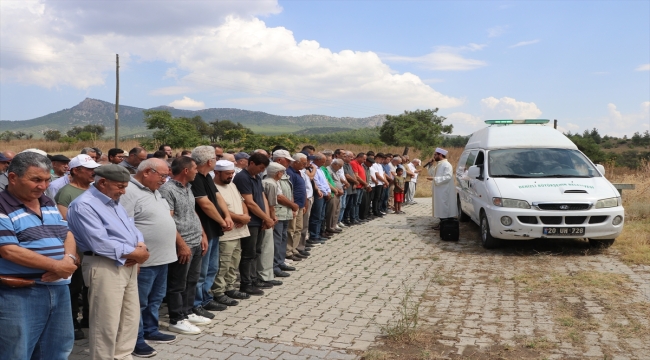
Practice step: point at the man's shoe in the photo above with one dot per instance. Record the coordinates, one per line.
(301, 256)
(214, 306)
(262, 284)
(234, 294)
(79, 334)
(197, 320)
(315, 242)
(307, 248)
(304, 253)
(294, 258)
(144, 351)
(186, 327)
(284, 267)
(325, 236)
(250, 290)
(226, 300)
(335, 231)
(281, 274)
(160, 338)
(341, 224)
(84, 323)
(274, 282)
(203, 312)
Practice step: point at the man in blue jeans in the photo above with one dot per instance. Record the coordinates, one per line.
(35, 302)
(150, 212)
(215, 219)
(321, 195)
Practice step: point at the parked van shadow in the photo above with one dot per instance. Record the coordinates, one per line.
(470, 241)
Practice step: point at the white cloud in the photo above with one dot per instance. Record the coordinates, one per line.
(464, 123)
(57, 45)
(497, 31)
(644, 67)
(444, 58)
(509, 108)
(524, 43)
(187, 103)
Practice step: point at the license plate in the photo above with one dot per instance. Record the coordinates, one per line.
(563, 231)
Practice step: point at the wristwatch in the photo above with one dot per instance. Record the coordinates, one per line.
(73, 257)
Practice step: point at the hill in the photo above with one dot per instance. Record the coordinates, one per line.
(93, 111)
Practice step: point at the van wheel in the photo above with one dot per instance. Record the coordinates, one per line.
(601, 244)
(487, 240)
(462, 217)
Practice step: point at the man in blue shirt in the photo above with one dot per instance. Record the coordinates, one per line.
(111, 245)
(37, 258)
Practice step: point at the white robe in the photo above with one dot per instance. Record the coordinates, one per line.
(444, 195)
(432, 172)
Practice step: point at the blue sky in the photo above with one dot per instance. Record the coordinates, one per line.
(585, 63)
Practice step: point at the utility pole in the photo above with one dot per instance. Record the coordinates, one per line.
(117, 99)
(555, 124)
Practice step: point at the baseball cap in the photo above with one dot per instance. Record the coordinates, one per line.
(3, 158)
(282, 154)
(83, 160)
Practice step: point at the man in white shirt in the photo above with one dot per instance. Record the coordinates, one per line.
(377, 176)
(412, 167)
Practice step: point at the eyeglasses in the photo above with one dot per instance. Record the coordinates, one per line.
(164, 176)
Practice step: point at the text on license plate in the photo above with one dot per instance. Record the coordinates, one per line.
(559, 231)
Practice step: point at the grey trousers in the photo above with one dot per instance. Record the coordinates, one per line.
(229, 257)
(332, 212)
(265, 260)
(304, 234)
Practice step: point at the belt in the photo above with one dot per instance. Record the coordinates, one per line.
(90, 253)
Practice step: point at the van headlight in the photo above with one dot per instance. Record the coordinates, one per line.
(511, 203)
(608, 203)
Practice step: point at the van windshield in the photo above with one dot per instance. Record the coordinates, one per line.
(540, 163)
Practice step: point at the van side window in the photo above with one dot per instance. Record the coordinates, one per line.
(470, 159)
(460, 169)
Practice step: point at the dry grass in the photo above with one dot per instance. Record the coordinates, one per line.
(54, 147)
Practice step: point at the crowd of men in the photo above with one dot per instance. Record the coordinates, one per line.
(121, 233)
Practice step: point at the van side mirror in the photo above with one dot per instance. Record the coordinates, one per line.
(474, 172)
(601, 169)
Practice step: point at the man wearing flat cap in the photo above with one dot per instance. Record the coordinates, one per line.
(112, 248)
(241, 161)
(443, 188)
(59, 166)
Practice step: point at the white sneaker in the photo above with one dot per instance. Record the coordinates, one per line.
(198, 320)
(338, 228)
(185, 327)
(341, 225)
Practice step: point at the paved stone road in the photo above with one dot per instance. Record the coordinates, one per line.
(332, 307)
(335, 304)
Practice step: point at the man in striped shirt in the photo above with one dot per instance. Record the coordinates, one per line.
(37, 258)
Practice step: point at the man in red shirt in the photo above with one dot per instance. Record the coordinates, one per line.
(362, 186)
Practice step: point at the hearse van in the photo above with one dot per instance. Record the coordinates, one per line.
(523, 180)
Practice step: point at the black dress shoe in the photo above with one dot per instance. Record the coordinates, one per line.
(315, 242)
(214, 306)
(335, 231)
(237, 295)
(203, 312)
(325, 236)
(307, 248)
(284, 267)
(294, 258)
(227, 300)
(274, 282)
(262, 284)
(301, 256)
(304, 252)
(84, 323)
(79, 334)
(250, 290)
(281, 274)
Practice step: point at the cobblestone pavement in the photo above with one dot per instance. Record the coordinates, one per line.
(332, 307)
(335, 304)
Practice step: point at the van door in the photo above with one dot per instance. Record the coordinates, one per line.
(467, 201)
(479, 188)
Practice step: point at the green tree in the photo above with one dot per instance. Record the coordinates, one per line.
(421, 129)
(176, 132)
(219, 128)
(87, 132)
(52, 135)
(589, 147)
(201, 126)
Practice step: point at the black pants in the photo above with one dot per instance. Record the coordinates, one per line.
(406, 189)
(377, 191)
(251, 249)
(364, 207)
(77, 287)
(181, 286)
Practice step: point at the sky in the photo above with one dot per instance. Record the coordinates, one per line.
(584, 63)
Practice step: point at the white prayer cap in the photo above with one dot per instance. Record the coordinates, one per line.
(274, 168)
(38, 151)
(441, 151)
(224, 165)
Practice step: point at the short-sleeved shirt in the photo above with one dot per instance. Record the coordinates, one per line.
(67, 193)
(132, 169)
(150, 211)
(181, 201)
(308, 187)
(358, 170)
(249, 185)
(399, 181)
(56, 185)
(374, 170)
(298, 186)
(202, 186)
(347, 170)
(44, 235)
(233, 199)
(414, 178)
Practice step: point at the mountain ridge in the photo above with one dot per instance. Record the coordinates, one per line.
(94, 111)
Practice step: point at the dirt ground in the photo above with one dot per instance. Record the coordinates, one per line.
(539, 299)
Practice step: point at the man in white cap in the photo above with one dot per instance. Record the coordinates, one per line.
(443, 188)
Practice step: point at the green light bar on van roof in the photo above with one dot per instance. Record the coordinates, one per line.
(510, 121)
